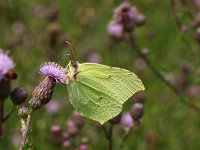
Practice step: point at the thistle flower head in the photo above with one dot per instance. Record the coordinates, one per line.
(125, 9)
(6, 63)
(18, 96)
(125, 18)
(137, 111)
(55, 71)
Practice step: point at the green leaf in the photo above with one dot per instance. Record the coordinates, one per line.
(98, 91)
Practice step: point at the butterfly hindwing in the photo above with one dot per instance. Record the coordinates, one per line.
(99, 91)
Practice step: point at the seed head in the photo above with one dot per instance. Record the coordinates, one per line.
(6, 63)
(55, 71)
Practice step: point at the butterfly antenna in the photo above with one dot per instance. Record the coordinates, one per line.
(67, 55)
(67, 42)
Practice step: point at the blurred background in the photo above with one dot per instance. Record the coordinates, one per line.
(34, 32)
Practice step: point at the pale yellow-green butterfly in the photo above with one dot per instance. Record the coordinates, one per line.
(98, 91)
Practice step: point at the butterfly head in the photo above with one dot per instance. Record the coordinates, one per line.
(72, 69)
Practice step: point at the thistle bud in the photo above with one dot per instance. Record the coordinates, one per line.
(23, 112)
(198, 35)
(83, 147)
(44, 90)
(56, 134)
(137, 111)
(77, 119)
(66, 144)
(193, 90)
(72, 129)
(18, 96)
(140, 19)
(186, 67)
(84, 140)
(53, 13)
(5, 88)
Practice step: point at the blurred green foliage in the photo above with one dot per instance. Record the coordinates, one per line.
(167, 123)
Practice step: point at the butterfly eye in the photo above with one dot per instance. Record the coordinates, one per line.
(74, 64)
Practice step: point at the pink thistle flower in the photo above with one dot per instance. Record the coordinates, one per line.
(6, 63)
(55, 71)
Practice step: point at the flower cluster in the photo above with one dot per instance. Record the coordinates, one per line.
(65, 137)
(126, 17)
(44, 91)
(18, 95)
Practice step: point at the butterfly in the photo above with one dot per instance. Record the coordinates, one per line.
(98, 91)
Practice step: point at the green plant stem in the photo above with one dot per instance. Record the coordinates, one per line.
(26, 129)
(177, 19)
(1, 117)
(126, 135)
(177, 91)
(105, 131)
(111, 137)
(152, 68)
(9, 113)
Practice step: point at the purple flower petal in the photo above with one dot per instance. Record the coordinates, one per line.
(55, 71)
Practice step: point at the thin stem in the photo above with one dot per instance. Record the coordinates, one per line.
(1, 117)
(152, 68)
(105, 132)
(177, 19)
(177, 91)
(9, 113)
(25, 130)
(111, 137)
(126, 135)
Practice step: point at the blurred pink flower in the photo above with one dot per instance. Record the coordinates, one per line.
(6, 63)
(127, 120)
(115, 29)
(52, 106)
